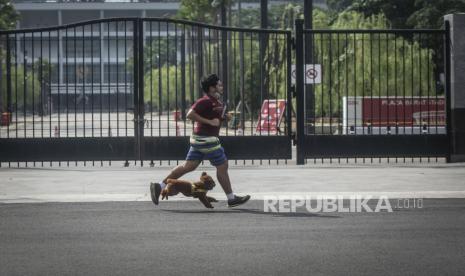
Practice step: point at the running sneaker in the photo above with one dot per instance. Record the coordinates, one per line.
(155, 191)
(238, 200)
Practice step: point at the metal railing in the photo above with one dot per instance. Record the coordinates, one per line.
(120, 88)
(380, 83)
(136, 78)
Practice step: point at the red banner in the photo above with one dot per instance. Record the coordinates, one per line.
(270, 116)
(403, 111)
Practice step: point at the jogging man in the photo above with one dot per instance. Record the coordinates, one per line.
(207, 114)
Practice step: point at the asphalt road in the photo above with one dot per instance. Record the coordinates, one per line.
(181, 237)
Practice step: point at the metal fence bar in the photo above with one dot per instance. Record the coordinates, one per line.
(447, 70)
(186, 51)
(386, 77)
(300, 90)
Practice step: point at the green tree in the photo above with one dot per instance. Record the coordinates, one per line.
(8, 18)
(429, 14)
(396, 11)
(370, 64)
(197, 10)
(162, 88)
(408, 14)
(353, 64)
(250, 62)
(8, 15)
(337, 6)
(205, 11)
(160, 51)
(25, 89)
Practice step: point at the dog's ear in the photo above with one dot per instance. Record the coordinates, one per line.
(204, 173)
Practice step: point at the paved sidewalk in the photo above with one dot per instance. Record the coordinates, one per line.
(119, 183)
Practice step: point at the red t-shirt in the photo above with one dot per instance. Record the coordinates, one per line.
(209, 108)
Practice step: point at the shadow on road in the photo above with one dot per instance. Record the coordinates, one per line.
(251, 211)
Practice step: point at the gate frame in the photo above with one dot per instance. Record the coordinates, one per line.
(237, 147)
(358, 146)
(52, 149)
(140, 147)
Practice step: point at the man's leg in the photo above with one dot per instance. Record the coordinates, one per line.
(223, 177)
(182, 169)
(187, 166)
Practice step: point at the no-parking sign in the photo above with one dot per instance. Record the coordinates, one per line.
(312, 73)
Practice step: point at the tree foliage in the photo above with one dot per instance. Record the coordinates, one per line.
(159, 51)
(337, 6)
(358, 64)
(162, 88)
(429, 14)
(206, 11)
(352, 64)
(403, 14)
(25, 89)
(8, 15)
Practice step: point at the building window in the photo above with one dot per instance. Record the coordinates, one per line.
(77, 47)
(116, 73)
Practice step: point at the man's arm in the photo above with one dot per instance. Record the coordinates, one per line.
(192, 115)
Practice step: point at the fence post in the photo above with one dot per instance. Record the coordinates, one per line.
(455, 85)
(138, 80)
(309, 59)
(183, 76)
(199, 60)
(140, 76)
(8, 76)
(224, 53)
(289, 83)
(1, 83)
(299, 56)
(262, 46)
(224, 59)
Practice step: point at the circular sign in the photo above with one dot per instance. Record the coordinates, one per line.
(312, 73)
(294, 74)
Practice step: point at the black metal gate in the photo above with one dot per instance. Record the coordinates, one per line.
(68, 92)
(371, 93)
(254, 66)
(119, 89)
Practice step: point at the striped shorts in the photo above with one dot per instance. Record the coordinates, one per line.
(206, 147)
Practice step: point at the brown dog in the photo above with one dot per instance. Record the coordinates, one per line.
(197, 189)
